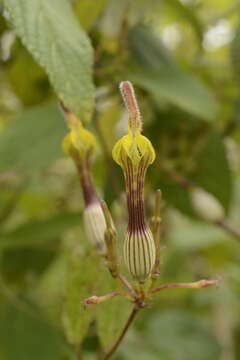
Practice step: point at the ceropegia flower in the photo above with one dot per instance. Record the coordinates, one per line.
(80, 144)
(134, 153)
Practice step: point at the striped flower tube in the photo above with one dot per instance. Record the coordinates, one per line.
(134, 153)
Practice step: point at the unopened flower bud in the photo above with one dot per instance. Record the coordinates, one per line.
(79, 143)
(95, 226)
(206, 205)
(134, 153)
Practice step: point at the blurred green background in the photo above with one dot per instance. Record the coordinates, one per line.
(183, 57)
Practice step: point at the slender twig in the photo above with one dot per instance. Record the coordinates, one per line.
(192, 285)
(224, 223)
(95, 300)
(128, 285)
(79, 352)
(123, 333)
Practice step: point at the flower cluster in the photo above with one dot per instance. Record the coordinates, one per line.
(141, 246)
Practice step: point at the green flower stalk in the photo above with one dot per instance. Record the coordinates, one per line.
(80, 144)
(134, 153)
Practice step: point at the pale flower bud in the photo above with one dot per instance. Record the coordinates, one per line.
(206, 205)
(95, 226)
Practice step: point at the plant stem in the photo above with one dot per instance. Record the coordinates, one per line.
(224, 223)
(79, 352)
(123, 333)
(192, 285)
(128, 285)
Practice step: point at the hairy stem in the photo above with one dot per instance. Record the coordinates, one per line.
(123, 333)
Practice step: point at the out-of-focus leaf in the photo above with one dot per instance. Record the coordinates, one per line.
(235, 54)
(51, 288)
(81, 283)
(179, 88)
(24, 336)
(180, 334)
(27, 78)
(147, 49)
(112, 18)
(32, 141)
(187, 234)
(212, 169)
(52, 34)
(20, 263)
(88, 11)
(37, 232)
(187, 14)
(175, 195)
(112, 314)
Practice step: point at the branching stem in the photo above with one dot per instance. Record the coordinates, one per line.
(130, 319)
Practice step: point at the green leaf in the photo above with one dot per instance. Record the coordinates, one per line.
(187, 14)
(36, 232)
(81, 283)
(33, 141)
(213, 170)
(153, 53)
(181, 334)
(177, 87)
(51, 288)
(111, 314)
(88, 12)
(52, 34)
(25, 336)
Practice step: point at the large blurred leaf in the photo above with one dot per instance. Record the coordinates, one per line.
(153, 53)
(52, 34)
(32, 141)
(181, 335)
(36, 232)
(212, 169)
(235, 54)
(88, 11)
(27, 78)
(186, 13)
(81, 283)
(24, 336)
(51, 288)
(112, 314)
(177, 87)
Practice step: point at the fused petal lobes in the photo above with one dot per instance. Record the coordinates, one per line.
(139, 253)
(135, 148)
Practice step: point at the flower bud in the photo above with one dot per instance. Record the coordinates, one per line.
(134, 153)
(95, 226)
(206, 205)
(79, 143)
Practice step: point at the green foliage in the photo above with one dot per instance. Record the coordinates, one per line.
(178, 88)
(33, 141)
(112, 315)
(34, 233)
(77, 317)
(185, 69)
(51, 33)
(212, 164)
(32, 336)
